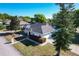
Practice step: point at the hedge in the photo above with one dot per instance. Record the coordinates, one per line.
(2, 27)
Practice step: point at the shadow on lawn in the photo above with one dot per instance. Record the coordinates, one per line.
(7, 43)
(76, 40)
(10, 33)
(4, 34)
(25, 42)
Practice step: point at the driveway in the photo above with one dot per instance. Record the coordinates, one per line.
(75, 49)
(7, 49)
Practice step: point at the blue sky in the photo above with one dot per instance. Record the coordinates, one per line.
(29, 9)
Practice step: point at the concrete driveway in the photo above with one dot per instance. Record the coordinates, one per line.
(74, 49)
(7, 49)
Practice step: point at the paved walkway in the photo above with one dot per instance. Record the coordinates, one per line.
(7, 49)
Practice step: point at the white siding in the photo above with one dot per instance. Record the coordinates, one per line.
(35, 33)
(47, 36)
(26, 31)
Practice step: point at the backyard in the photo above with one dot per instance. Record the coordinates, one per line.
(28, 48)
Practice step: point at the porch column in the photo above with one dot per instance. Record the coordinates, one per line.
(12, 40)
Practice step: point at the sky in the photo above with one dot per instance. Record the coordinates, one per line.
(29, 9)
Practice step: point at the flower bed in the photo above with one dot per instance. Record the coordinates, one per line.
(37, 38)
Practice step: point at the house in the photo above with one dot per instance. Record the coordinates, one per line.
(7, 22)
(1, 21)
(39, 29)
(22, 23)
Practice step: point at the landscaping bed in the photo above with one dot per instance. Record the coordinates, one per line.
(37, 38)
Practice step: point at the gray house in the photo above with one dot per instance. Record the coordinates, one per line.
(39, 29)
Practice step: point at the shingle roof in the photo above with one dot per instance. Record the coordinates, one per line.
(41, 28)
(23, 22)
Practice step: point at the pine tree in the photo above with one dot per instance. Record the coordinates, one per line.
(65, 23)
(76, 18)
(15, 23)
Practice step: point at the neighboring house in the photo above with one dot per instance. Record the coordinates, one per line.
(22, 23)
(0, 21)
(7, 22)
(39, 29)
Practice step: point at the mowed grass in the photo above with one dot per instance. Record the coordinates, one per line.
(47, 50)
(28, 48)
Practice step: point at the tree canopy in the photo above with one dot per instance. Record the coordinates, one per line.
(65, 22)
(27, 18)
(15, 23)
(76, 16)
(4, 16)
(40, 18)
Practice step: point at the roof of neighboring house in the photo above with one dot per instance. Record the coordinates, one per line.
(23, 22)
(7, 21)
(42, 28)
(0, 20)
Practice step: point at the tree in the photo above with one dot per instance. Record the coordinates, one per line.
(65, 22)
(15, 23)
(50, 21)
(4, 16)
(40, 18)
(27, 18)
(33, 20)
(2, 27)
(76, 18)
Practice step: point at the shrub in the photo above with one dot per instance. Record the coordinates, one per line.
(42, 40)
(2, 27)
(8, 27)
(37, 38)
